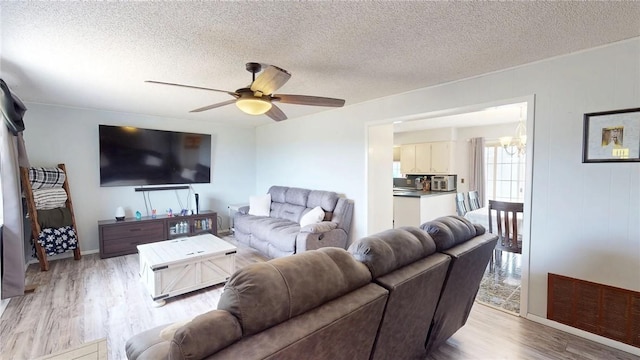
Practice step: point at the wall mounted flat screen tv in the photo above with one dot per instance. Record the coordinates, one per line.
(132, 156)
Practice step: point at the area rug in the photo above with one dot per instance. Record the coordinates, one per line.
(94, 350)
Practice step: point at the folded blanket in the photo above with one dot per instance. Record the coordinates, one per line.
(46, 199)
(46, 178)
(54, 218)
(58, 240)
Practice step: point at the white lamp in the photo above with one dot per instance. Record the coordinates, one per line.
(120, 213)
(252, 105)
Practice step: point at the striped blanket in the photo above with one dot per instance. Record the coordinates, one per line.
(46, 178)
(46, 199)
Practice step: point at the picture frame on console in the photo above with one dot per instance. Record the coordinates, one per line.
(611, 136)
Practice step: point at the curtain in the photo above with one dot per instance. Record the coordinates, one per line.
(12, 155)
(477, 168)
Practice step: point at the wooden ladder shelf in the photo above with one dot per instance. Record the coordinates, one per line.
(33, 214)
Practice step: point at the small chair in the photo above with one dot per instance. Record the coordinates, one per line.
(474, 202)
(507, 223)
(461, 207)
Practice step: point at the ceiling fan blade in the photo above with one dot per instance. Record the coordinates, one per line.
(275, 113)
(192, 87)
(308, 100)
(270, 80)
(209, 107)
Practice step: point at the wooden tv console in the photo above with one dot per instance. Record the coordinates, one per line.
(121, 237)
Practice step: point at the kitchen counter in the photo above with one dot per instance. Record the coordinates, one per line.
(420, 193)
(415, 207)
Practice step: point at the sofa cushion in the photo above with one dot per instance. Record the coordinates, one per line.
(297, 196)
(280, 232)
(448, 231)
(392, 249)
(312, 216)
(327, 200)
(260, 205)
(287, 211)
(278, 193)
(262, 295)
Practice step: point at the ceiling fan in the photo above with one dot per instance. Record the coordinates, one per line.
(258, 98)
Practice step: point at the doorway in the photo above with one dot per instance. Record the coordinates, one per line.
(450, 122)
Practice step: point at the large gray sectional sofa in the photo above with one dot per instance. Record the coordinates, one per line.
(280, 233)
(393, 295)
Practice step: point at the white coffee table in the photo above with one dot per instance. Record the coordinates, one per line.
(174, 267)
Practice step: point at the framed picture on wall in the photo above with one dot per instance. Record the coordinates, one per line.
(612, 136)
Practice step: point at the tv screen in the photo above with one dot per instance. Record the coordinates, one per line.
(132, 156)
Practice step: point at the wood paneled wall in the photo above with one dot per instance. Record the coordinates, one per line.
(600, 309)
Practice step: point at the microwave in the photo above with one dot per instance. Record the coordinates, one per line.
(443, 183)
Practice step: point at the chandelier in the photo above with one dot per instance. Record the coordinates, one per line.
(518, 144)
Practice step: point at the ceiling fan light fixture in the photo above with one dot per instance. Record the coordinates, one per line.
(253, 106)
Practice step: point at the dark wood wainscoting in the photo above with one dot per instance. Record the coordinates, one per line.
(600, 309)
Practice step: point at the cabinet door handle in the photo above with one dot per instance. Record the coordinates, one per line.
(138, 229)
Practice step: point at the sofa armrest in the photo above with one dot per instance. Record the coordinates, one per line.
(205, 335)
(312, 241)
(320, 227)
(244, 210)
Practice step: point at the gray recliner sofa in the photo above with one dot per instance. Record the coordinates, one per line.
(394, 295)
(280, 233)
(315, 305)
(470, 249)
(405, 262)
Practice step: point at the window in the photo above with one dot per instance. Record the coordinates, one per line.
(396, 169)
(505, 174)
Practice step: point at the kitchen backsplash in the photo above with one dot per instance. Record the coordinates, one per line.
(409, 181)
(403, 182)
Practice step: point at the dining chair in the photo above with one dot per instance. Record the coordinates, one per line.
(506, 215)
(461, 207)
(474, 202)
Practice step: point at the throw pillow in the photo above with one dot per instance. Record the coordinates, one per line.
(314, 216)
(260, 205)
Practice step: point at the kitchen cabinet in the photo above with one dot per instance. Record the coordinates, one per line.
(427, 158)
(407, 158)
(441, 157)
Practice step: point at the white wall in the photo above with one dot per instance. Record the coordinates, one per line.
(380, 161)
(584, 218)
(67, 135)
(431, 135)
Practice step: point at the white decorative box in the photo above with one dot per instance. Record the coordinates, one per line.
(174, 267)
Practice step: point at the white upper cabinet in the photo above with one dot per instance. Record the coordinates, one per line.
(423, 158)
(441, 157)
(427, 158)
(407, 159)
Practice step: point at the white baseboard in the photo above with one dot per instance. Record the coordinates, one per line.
(64, 255)
(585, 334)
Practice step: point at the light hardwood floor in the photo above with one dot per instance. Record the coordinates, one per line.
(81, 301)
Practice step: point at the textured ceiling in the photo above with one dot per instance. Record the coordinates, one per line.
(98, 54)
